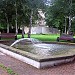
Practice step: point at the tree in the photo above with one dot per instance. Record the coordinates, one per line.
(19, 13)
(59, 12)
(34, 5)
(24, 15)
(7, 9)
(4, 9)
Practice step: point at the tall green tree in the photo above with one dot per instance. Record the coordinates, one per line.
(59, 12)
(19, 13)
(24, 15)
(5, 16)
(34, 5)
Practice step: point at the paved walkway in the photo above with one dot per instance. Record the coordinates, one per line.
(25, 69)
(2, 71)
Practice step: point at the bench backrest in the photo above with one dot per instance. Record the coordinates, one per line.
(8, 36)
(66, 35)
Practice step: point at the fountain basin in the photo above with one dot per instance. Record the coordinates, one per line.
(38, 61)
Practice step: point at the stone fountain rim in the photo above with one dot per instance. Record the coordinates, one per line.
(39, 58)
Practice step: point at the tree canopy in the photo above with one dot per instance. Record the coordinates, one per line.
(15, 13)
(60, 14)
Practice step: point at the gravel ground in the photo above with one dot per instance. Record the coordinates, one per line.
(24, 69)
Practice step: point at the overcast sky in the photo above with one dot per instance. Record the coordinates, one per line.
(48, 2)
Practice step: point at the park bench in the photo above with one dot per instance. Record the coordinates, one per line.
(8, 36)
(66, 37)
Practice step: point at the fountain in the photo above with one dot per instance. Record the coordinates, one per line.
(37, 47)
(26, 40)
(39, 54)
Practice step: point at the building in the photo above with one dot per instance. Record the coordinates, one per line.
(40, 27)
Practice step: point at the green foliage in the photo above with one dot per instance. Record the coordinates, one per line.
(24, 7)
(2, 26)
(58, 11)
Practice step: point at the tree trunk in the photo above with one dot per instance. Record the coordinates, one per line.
(23, 31)
(30, 25)
(7, 27)
(69, 28)
(70, 16)
(16, 19)
(7, 23)
(65, 26)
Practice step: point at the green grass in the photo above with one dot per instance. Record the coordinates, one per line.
(46, 37)
(9, 70)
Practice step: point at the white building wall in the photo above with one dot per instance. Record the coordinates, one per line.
(46, 30)
(42, 30)
(36, 30)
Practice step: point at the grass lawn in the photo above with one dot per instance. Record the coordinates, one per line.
(46, 37)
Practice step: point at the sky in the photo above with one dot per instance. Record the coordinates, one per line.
(48, 2)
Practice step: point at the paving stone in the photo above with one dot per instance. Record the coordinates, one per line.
(25, 69)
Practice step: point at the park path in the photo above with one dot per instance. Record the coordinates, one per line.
(2, 71)
(25, 69)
